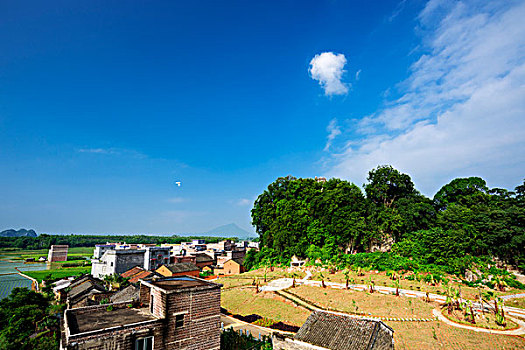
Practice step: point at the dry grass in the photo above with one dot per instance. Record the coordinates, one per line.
(233, 281)
(487, 320)
(518, 302)
(381, 279)
(437, 335)
(374, 304)
(245, 301)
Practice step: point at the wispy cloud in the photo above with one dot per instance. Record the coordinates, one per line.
(176, 200)
(328, 68)
(98, 150)
(112, 151)
(333, 131)
(461, 110)
(357, 75)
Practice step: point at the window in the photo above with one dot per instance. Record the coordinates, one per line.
(179, 321)
(144, 343)
(151, 305)
(112, 264)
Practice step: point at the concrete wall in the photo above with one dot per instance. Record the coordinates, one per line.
(116, 261)
(155, 257)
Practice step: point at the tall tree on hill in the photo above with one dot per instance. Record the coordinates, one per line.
(294, 215)
(396, 207)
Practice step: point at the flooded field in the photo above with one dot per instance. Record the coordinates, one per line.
(9, 277)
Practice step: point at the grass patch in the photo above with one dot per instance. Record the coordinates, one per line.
(58, 273)
(268, 305)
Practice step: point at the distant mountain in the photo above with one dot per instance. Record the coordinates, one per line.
(230, 230)
(20, 233)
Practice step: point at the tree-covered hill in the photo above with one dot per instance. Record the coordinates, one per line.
(325, 220)
(20, 233)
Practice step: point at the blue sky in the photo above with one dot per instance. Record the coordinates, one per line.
(105, 104)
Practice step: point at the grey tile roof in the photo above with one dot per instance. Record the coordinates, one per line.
(83, 286)
(182, 267)
(337, 331)
(129, 293)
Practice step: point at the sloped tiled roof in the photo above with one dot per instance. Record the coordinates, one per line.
(137, 273)
(129, 293)
(182, 267)
(201, 258)
(336, 331)
(132, 272)
(84, 286)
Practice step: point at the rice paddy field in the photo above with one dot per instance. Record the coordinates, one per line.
(11, 260)
(11, 281)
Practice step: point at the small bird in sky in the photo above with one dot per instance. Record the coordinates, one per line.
(178, 183)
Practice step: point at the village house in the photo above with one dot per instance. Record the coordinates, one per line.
(181, 269)
(117, 261)
(230, 267)
(335, 331)
(109, 261)
(82, 291)
(177, 313)
(202, 260)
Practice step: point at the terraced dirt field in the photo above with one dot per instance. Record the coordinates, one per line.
(408, 335)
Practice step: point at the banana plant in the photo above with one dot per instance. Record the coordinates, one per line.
(346, 273)
(321, 275)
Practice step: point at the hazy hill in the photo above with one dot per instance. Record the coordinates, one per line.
(20, 233)
(230, 230)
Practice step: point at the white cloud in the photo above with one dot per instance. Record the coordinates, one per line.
(333, 131)
(98, 150)
(357, 74)
(461, 112)
(328, 69)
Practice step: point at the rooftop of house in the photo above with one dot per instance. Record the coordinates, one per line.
(203, 258)
(87, 319)
(182, 267)
(181, 284)
(84, 285)
(129, 293)
(338, 331)
(137, 273)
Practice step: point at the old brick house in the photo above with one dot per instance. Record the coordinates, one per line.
(175, 313)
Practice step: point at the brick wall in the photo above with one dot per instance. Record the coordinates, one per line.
(201, 330)
(144, 294)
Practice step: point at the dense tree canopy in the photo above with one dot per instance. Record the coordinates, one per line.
(323, 220)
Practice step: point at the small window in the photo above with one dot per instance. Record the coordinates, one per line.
(144, 343)
(179, 321)
(111, 264)
(151, 305)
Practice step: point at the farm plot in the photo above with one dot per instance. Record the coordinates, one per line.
(11, 281)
